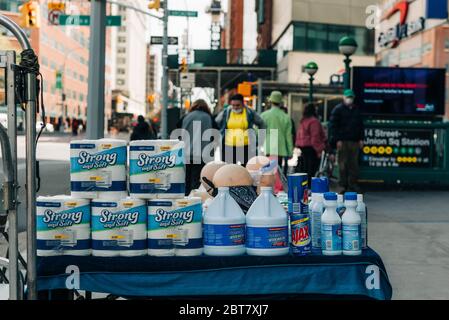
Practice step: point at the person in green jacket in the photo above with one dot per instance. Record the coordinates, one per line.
(277, 119)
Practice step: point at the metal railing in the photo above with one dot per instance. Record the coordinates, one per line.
(30, 97)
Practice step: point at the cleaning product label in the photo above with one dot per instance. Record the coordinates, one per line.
(351, 237)
(331, 237)
(224, 235)
(300, 229)
(267, 238)
(316, 227)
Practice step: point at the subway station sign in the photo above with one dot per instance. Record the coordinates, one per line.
(397, 148)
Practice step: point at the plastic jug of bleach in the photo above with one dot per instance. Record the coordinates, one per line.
(351, 226)
(316, 208)
(224, 226)
(267, 226)
(331, 226)
(362, 210)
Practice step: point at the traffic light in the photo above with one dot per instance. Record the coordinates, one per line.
(154, 5)
(183, 66)
(30, 15)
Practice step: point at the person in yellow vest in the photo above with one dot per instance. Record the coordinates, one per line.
(239, 143)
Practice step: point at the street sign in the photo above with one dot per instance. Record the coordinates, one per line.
(58, 80)
(159, 40)
(181, 13)
(187, 80)
(82, 20)
(53, 17)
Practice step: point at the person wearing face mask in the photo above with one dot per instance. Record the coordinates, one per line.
(346, 131)
(235, 122)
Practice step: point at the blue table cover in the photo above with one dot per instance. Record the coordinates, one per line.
(147, 276)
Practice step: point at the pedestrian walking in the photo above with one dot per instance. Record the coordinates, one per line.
(239, 142)
(311, 139)
(142, 131)
(75, 125)
(279, 123)
(347, 135)
(195, 123)
(285, 160)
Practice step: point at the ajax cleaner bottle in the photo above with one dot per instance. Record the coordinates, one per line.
(266, 226)
(362, 210)
(351, 226)
(330, 226)
(224, 226)
(316, 208)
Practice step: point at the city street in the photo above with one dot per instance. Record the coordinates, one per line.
(407, 228)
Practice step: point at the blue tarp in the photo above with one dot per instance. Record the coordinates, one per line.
(222, 276)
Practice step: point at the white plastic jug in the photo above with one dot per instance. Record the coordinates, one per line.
(224, 226)
(266, 226)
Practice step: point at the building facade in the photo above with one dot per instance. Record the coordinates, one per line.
(414, 34)
(128, 58)
(63, 53)
(302, 33)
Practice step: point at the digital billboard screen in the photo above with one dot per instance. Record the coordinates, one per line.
(399, 91)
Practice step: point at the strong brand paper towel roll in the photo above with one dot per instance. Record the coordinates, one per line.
(98, 168)
(119, 227)
(63, 226)
(157, 169)
(160, 230)
(174, 227)
(190, 234)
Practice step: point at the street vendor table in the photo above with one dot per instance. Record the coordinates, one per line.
(363, 276)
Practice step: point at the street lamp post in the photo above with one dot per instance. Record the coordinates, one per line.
(311, 69)
(347, 46)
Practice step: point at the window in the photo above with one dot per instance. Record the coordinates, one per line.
(121, 71)
(120, 82)
(121, 50)
(300, 38)
(121, 39)
(317, 37)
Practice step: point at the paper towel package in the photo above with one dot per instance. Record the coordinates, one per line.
(175, 227)
(119, 227)
(63, 226)
(98, 168)
(156, 169)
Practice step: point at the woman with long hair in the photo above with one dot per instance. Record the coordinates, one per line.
(311, 139)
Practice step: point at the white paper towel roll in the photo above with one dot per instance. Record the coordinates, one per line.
(119, 227)
(157, 169)
(175, 227)
(190, 233)
(82, 180)
(160, 230)
(98, 168)
(63, 226)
